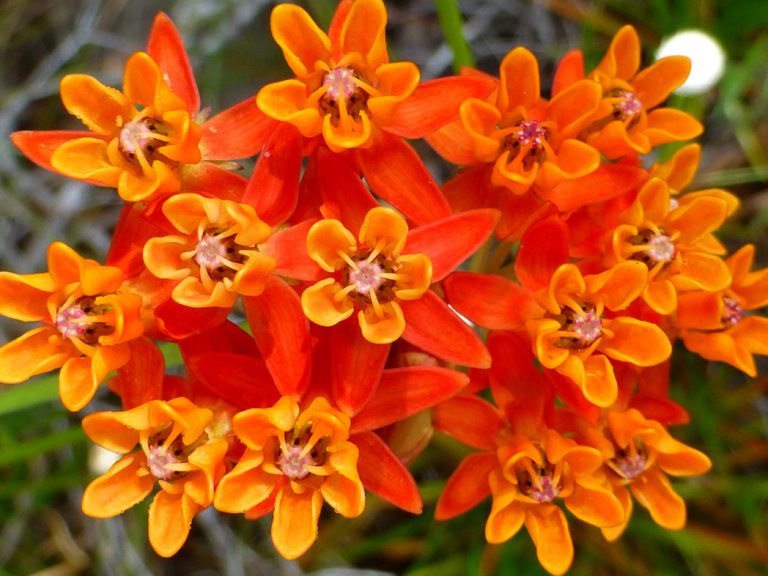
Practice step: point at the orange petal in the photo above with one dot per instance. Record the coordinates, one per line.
(572, 107)
(326, 239)
(162, 257)
(384, 325)
(702, 271)
(166, 47)
(86, 159)
(101, 108)
(384, 230)
(25, 296)
(623, 57)
(246, 486)
(503, 522)
(574, 159)
(548, 528)
(654, 491)
(620, 285)
(480, 119)
(654, 84)
(519, 85)
(661, 296)
(193, 293)
(349, 132)
(343, 490)
(38, 351)
(397, 81)
(142, 79)
(286, 101)
(637, 342)
(303, 43)
(251, 279)
(294, 526)
(170, 519)
(467, 486)
(671, 125)
(600, 385)
(119, 489)
(679, 170)
(470, 419)
(321, 305)
(595, 505)
(363, 32)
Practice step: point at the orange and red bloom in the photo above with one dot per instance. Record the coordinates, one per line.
(351, 331)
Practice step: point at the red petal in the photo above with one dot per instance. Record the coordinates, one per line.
(405, 391)
(243, 381)
(467, 486)
(395, 172)
(517, 384)
(177, 322)
(343, 193)
(227, 337)
(167, 49)
(608, 181)
(543, 248)
(132, 231)
(141, 379)
(435, 328)
(470, 419)
(435, 103)
(356, 366)
(237, 132)
(384, 475)
(210, 180)
(450, 241)
(273, 189)
(471, 188)
(289, 248)
(491, 301)
(281, 332)
(569, 70)
(39, 145)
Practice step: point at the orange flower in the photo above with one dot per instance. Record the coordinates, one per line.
(673, 237)
(628, 120)
(718, 326)
(639, 453)
(178, 450)
(530, 477)
(575, 338)
(148, 139)
(527, 140)
(371, 275)
(344, 86)
(217, 256)
(89, 323)
(295, 458)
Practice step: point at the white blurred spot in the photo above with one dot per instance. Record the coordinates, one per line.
(100, 459)
(707, 59)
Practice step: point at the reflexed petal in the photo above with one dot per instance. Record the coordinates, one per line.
(570, 70)
(467, 486)
(170, 519)
(119, 489)
(654, 84)
(166, 47)
(668, 125)
(434, 327)
(623, 57)
(548, 528)
(244, 487)
(25, 296)
(702, 271)
(39, 145)
(384, 474)
(240, 131)
(470, 419)
(543, 248)
(600, 385)
(294, 526)
(620, 285)
(403, 392)
(595, 505)
(287, 102)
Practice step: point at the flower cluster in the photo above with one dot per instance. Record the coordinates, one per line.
(344, 254)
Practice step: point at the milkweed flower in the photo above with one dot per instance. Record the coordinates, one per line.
(629, 120)
(148, 139)
(347, 96)
(88, 322)
(672, 236)
(216, 256)
(577, 338)
(722, 325)
(168, 444)
(385, 276)
(639, 454)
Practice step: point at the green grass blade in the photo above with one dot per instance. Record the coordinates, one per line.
(450, 21)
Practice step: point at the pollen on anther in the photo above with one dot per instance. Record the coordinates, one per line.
(158, 459)
(546, 491)
(629, 105)
(135, 136)
(68, 322)
(210, 252)
(588, 327)
(661, 248)
(340, 82)
(531, 133)
(366, 277)
(294, 463)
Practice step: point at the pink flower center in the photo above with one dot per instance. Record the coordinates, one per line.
(660, 248)
(366, 276)
(545, 490)
(587, 327)
(531, 133)
(629, 104)
(294, 462)
(158, 459)
(137, 136)
(732, 313)
(340, 83)
(72, 321)
(210, 252)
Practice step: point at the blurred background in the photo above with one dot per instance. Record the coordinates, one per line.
(45, 460)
